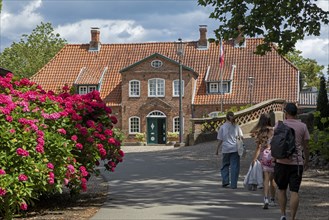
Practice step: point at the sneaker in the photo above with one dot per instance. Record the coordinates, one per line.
(225, 185)
(272, 202)
(265, 204)
(283, 218)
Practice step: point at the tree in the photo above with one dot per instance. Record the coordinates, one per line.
(322, 105)
(32, 52)
(282, 22)
(310, 71)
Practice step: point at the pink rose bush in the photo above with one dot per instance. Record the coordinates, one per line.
(51, 140)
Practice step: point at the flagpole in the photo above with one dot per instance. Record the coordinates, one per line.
(221, 75)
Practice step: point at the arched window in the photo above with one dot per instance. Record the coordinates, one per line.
(156, 114)
(134, 125)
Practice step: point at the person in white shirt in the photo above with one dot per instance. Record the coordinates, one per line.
(227, 141)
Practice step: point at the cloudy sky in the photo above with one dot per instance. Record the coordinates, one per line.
(127, 21)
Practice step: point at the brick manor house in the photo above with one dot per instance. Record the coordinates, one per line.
(140, 81)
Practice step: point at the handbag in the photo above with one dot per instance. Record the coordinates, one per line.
(242, 151)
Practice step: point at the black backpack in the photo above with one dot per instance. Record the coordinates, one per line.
(283, 143)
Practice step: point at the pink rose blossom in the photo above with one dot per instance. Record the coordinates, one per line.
(121, 153)
(84, 131)
(90, 123)
(74, 138)
(71, 168)
(22, 152)
(83, 171)
(51, 175)
(23, 206)
(50, 166)
(61, 130)
(51, 181)
(2, 172)
(84, 184)
(12, 131)
(108, 132)
(2, 192)
(100, 146)
(111, 141)
(114, 119)
(9, 118)
(66, 181)
(22, 177)
(79, 146)
(102, 152)
(40, 149)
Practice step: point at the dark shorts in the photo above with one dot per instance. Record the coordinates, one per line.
(285, 175)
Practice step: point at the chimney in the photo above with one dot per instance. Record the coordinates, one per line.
(240, 38)
(203, 42)
(94, 44)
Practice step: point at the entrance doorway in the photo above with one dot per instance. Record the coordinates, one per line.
(156, 128)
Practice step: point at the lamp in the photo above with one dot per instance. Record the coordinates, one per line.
(180, 53)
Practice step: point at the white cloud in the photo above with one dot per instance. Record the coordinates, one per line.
(112, 31)
(323, 4)
(315, 48)
(14, 25)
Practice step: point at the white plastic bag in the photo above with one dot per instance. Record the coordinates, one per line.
(254, 177)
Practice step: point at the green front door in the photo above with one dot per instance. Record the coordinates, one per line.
(156, 130)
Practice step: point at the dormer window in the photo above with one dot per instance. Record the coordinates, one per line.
(156, 63)
(215, 87)
(86, 89)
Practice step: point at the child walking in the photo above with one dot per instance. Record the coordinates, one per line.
(263, 133)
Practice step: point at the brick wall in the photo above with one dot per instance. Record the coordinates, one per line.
(143, 105)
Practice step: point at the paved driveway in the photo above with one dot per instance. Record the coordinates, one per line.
(161, 182)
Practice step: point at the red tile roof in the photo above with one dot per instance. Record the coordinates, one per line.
(274, 76)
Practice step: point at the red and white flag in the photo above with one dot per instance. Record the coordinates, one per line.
(221, 54)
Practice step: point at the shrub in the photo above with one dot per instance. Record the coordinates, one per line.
(172, 136)
(140, 137)
(320, 138)
(49, 141)
(322, 105)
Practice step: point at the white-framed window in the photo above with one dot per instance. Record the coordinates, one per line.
(134, 125)
(156, 63)
(213, 87)
(225, 88)
(86, 89)
(91, 88)
(176, 88)
(156, 87)
(216, 87)
(134, 88)
(176, 124)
